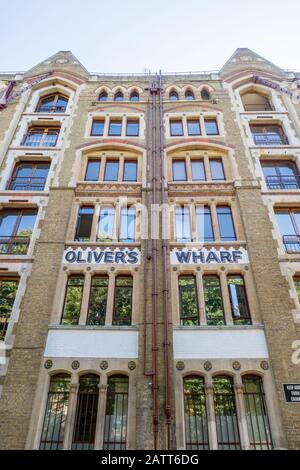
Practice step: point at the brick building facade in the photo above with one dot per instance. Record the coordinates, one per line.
(150, 258)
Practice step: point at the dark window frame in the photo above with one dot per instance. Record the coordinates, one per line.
(176, 121)
(242, 319)
(72, 276)
(181, 289)
(115, 318)
(53, 108)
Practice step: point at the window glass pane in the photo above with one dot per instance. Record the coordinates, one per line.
(97, 128)
(188, 300)
(127, 229)
(115, 425)
(195, 415)
(86, 413)
(92, 170)
(115, 128)
(211, 127)
(132, 128)
(189, 96)
(226, 227)
(7, 223)
(238, 300)
(173, 96)
(84, 224)
(204, 224)
(111, 171)
(296, 215)
(193, 126)
(269, 170)
(56, 413)
(97, 301)
(182, 224)
(176, 128)
(130, 171)
(24, 170)
(73, 298)
(103, 96)
(256, 414)
(134, 97)
(216, 169)
(285, 224)
(123, 301)
(8, 290)
(225, 414)
(213, 300)
(106, 224)
(26, 224)
(119, 96)
(179, 171)
(198, 171)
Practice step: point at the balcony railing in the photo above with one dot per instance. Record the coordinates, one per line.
(51, 109)
(40, 140)
(291, 243)
(283, 182)
(14, 245)
(258, 107)
(19, 183)
(269, 139)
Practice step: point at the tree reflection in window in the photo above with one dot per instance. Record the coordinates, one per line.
(213, 300)
(188, 301)
(73, 298)
(98, 300)
(123, 300)
(195, 414)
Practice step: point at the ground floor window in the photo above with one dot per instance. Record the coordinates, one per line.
(115, 428)
(195, 415)
(56, 413)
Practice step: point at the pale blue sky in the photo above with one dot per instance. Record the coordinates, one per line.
(131, 35)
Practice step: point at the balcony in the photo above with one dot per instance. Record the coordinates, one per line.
(291, 243)
(269, 139)
(40, 140)
(51, 109)
(14, 245)
(283, 182)
(19, 183)
(258, 107)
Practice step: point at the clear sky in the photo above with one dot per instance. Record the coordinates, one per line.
(134, 35)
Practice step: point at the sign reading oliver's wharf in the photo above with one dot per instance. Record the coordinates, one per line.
(209, 256)
(102, 256)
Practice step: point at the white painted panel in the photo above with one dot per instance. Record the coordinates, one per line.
(219, 344)
(92, 343)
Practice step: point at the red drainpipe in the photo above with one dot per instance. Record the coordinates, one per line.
(153, 91)
(164, 270)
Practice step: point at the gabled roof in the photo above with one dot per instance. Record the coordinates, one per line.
(243, 59)
(62, 60)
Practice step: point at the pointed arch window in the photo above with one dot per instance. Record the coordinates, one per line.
(119, 96)
(134, 96)
(173, 96)
(205, 95)
(103, 96)
(189, 95)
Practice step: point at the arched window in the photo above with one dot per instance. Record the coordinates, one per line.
(189, 95)
(205, 95)
(55, 103)
(225, 413)
(115, 426)
(173, 96)
(103, 96)
(56, 413)
(134, 96)
(254, 101)
(119, 96)
(257, 415)
(195, 414)
(86, 413)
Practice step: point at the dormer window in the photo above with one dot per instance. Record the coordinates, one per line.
(253, 101)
